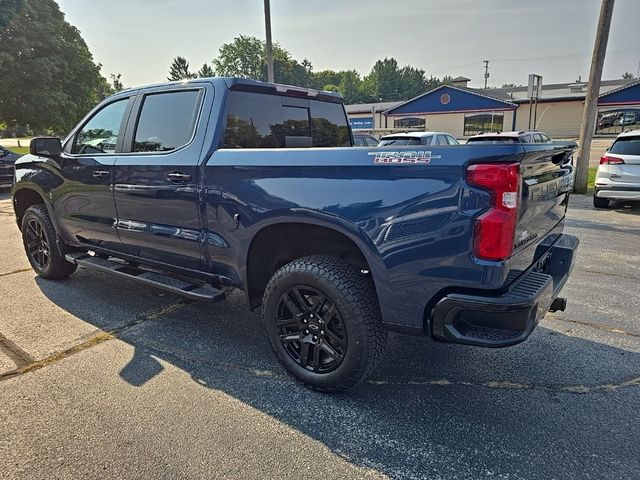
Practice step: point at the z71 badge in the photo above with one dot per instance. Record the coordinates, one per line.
(419, 156)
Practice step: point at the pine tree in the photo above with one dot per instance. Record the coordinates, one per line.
(205, 71)
(179, 70)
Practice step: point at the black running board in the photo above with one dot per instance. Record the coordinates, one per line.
(193, 290)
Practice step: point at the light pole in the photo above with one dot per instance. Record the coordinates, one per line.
(267, 26)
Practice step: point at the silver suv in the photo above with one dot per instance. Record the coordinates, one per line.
(618, 176)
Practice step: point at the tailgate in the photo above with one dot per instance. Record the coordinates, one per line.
(547, 179)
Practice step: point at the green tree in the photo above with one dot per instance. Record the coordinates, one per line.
(116, 82)
(388, 82)
(205, 71)
(240, 58)
(48, 77)
(179, 70)
(321, 79)
(245, 57)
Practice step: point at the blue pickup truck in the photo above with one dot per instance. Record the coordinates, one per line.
(203, 185)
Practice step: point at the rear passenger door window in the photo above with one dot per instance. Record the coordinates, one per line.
(427, 140)
(167, 121)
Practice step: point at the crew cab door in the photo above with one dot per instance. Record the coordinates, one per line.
(84, 208)
(156, 178)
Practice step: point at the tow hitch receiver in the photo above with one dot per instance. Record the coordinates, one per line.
(558, 304)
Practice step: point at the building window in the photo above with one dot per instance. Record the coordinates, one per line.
(409, 122)
(612, 121)
(475, 123)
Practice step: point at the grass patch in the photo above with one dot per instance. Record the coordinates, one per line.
(20, 150)
(591, 179)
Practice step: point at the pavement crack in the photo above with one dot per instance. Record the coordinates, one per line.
(20, 270)
(14, 352)
(609, 274)
(619, 331)
(28, 364)
(507, 385)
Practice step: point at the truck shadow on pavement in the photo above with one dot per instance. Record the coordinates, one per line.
(557, 406)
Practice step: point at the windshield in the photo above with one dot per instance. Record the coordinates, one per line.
(626, 146)
(398, 141)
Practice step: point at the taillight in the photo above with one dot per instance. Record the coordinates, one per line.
(496, 228)
(609, 160)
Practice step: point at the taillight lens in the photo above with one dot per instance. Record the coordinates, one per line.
(609, 160)
(496, 228)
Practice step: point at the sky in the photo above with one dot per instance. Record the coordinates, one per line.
(552, 38)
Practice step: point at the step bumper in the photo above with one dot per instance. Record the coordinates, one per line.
(507, 319)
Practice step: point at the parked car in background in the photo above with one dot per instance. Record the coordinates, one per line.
(523, 136)
(7, 159)
(618, 175)
(361, 139)
(418, 138)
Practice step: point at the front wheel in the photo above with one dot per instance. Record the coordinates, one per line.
(323, 322)
(39, 239)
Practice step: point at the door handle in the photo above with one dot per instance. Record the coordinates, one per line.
(100, 173)
(178, 177)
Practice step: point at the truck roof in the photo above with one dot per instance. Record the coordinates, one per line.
(257, 86)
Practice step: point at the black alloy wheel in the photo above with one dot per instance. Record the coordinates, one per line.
(39, 239)
(311, 329)
(38, 247)
(323, 321)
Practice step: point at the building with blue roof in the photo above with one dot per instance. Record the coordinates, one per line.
(464, 111)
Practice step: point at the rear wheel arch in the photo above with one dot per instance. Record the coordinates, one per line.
(279, 244)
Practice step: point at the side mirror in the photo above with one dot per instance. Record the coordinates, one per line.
(45, 146)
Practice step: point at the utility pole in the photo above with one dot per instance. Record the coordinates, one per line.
(591, 101)
(267, 25)
(486, 72)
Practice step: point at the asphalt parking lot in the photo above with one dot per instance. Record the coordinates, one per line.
(105, 379)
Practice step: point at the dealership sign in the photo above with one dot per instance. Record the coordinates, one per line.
(363, 123)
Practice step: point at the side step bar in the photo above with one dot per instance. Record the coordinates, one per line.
(193, 290)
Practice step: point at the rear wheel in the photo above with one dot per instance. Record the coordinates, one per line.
(39, 239)
(600, 202)
(323, 322)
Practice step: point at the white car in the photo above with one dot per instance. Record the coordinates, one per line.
(618, 176)
(418, 138)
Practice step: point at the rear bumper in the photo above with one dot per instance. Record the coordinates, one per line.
(507, 319)
(618, 193)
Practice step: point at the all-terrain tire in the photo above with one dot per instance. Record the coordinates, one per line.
(39, 240)
(353, 295)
